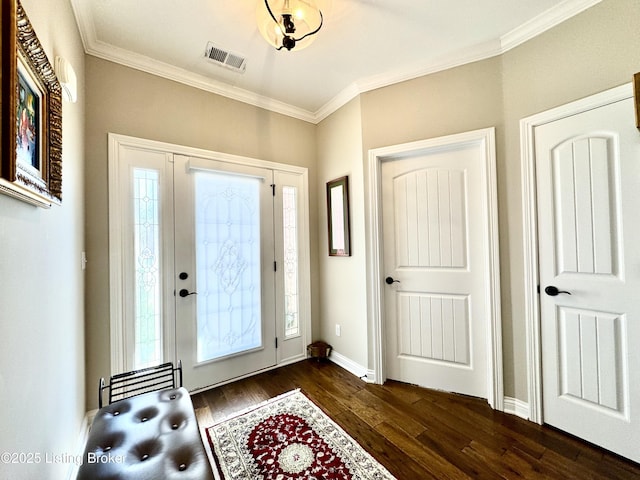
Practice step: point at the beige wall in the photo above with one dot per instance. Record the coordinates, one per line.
(587, 54)
(129, 102)
(41, 320)
(453, 101)
(343, 293)
(42, 356)
(42, 317)
(594, 51)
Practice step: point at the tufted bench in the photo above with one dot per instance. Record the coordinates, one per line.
(150, 436)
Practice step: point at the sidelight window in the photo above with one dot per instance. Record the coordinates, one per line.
(146, 232)
(290, 247)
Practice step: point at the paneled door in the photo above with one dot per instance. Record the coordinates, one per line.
(225, 278)
(435, 233)
(209, 261)
(588, 191)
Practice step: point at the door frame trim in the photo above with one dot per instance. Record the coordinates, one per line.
(116, 286)
(485, 138)
(530, 231)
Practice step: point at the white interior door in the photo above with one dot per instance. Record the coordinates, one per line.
(435, 233)
(225, 279)
(588, 194)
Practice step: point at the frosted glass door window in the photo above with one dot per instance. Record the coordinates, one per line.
(209, 262)
(228, 268)
(290, 247)
(147, 260)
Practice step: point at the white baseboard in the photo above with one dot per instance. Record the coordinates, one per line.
(80, 444)
(512, 406)
(353, 367)
(516, 407)
(370, 377)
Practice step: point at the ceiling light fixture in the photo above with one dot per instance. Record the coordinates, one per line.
(289, 23)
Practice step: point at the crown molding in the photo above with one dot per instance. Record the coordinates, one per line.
(456, 59)
(170, 72)
(97, 48)
(545, 21)
(512, 39)
(340, 100)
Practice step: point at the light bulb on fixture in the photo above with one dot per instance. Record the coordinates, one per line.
(289, 23)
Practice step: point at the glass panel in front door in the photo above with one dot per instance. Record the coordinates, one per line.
(291, 254)
(147, 255)
(228, 267)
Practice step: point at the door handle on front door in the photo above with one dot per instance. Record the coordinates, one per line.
(185, 293)
(391, 280)
(553, 291)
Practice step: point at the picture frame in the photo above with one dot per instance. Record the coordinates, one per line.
(338, 217)
(31, 114)
(636, 96)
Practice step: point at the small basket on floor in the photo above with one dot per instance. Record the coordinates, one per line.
(319, 350)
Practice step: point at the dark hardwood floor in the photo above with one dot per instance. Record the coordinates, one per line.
(423, 434)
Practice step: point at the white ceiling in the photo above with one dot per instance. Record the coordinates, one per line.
(363, 44)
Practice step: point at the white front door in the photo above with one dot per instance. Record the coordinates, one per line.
(588, 200)
(209, 261)
(225, 278)
(435, 226)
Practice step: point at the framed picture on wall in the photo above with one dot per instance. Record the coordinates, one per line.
(338, 217)
(31, 144)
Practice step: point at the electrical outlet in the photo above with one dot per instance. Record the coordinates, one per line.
(337, 330)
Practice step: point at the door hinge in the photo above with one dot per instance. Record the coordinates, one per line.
(275, 266)
(276, 342)
(273, 189)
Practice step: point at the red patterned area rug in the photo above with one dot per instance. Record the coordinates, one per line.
(287, 438)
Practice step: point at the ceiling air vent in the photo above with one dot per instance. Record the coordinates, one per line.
(225, 58)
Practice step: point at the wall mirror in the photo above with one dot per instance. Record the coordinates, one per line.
(338, 217)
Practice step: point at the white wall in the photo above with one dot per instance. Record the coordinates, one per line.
(42, 401)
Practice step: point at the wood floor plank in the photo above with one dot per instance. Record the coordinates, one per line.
(436, 465)
(502, 462)
(394, 459)
(418, 433)
(375, 411)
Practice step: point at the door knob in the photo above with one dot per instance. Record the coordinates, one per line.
(553, 291)
(390, 280)
(185, 293)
